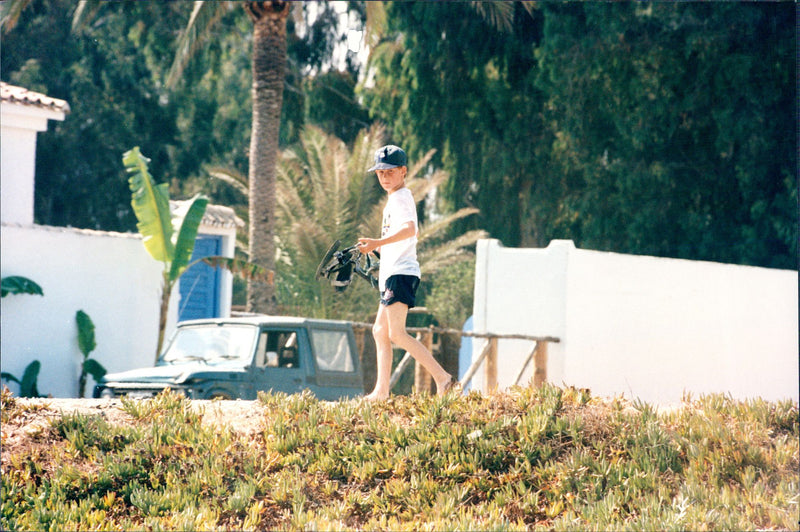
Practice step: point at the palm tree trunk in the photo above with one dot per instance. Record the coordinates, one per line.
(269, 65)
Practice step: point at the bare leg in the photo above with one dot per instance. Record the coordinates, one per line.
(395, 316)
(383, 351)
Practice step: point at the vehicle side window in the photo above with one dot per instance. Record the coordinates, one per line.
(261, 350)
(332, 350)
(281, 349)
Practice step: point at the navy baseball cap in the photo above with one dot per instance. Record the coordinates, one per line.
(389, 157)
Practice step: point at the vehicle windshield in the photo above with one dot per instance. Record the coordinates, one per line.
(211, 344)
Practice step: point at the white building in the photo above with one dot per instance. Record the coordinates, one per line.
(108, 275)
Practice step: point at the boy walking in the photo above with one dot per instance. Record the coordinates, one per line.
(399, 274)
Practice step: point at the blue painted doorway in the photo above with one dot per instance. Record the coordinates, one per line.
(200, 284)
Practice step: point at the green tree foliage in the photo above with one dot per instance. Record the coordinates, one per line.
(665, 129)
(105, 75)
(332, 105)
(112, 70)
(448, 78)
(675, 127)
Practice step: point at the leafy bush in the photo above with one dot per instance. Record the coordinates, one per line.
(553, 458)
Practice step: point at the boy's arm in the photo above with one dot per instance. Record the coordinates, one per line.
(407, 230)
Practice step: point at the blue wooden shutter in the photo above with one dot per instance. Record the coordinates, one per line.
(199, 285)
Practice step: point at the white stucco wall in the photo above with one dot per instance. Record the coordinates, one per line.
(19, 125)
(109, 276)
(643, 327)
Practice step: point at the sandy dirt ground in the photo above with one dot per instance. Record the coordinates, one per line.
(29, 427)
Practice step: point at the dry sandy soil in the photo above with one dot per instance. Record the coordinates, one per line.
(27, 428)
(242, 416)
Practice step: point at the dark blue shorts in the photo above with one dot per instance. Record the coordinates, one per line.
(400, 288)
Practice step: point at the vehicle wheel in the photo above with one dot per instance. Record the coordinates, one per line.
(220, 395)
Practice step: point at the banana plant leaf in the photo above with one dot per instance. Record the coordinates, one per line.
(86, 341)
(94, 368)
(151, 205)
(27, 386)
(184, 245)
(19, 285)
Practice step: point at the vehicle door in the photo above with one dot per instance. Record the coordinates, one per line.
(336, 360)
(278, 364)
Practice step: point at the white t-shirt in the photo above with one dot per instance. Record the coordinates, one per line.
(399, 258)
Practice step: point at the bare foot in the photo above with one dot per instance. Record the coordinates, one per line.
(373, 397)
(446, 385)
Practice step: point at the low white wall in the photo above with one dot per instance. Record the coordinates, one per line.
(643, 327)
(109, 276)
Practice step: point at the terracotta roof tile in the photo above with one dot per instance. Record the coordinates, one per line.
(20, 95)
(215, 215)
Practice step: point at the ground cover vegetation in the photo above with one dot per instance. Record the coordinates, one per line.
(549, 459)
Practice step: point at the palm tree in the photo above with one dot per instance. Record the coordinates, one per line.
(268, 66)
(322, 197)
(325, 194)
(268, 69)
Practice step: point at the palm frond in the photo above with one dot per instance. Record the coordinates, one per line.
(500, 15)
(376, 22)
(432, 259)
(231, 177)
(85, 10)
(434, 229)
(11, 10)
(420, 187)
(204, 16)
(241, 268)
(530, 6)
(416, 170)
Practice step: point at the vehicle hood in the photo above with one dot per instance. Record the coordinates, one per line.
(169, 374)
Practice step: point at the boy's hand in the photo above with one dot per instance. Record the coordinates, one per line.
(366, 245)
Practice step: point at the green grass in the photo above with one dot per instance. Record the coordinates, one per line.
(549, 459)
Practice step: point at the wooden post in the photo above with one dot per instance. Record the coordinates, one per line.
(476, 364)
(422, 378)
(540, 365)
(398, 372)
(490, 376)
(527, 361)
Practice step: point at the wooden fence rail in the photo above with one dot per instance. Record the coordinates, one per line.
(537, 354)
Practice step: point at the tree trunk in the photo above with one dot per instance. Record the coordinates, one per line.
(166, 293)
(269, 65)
